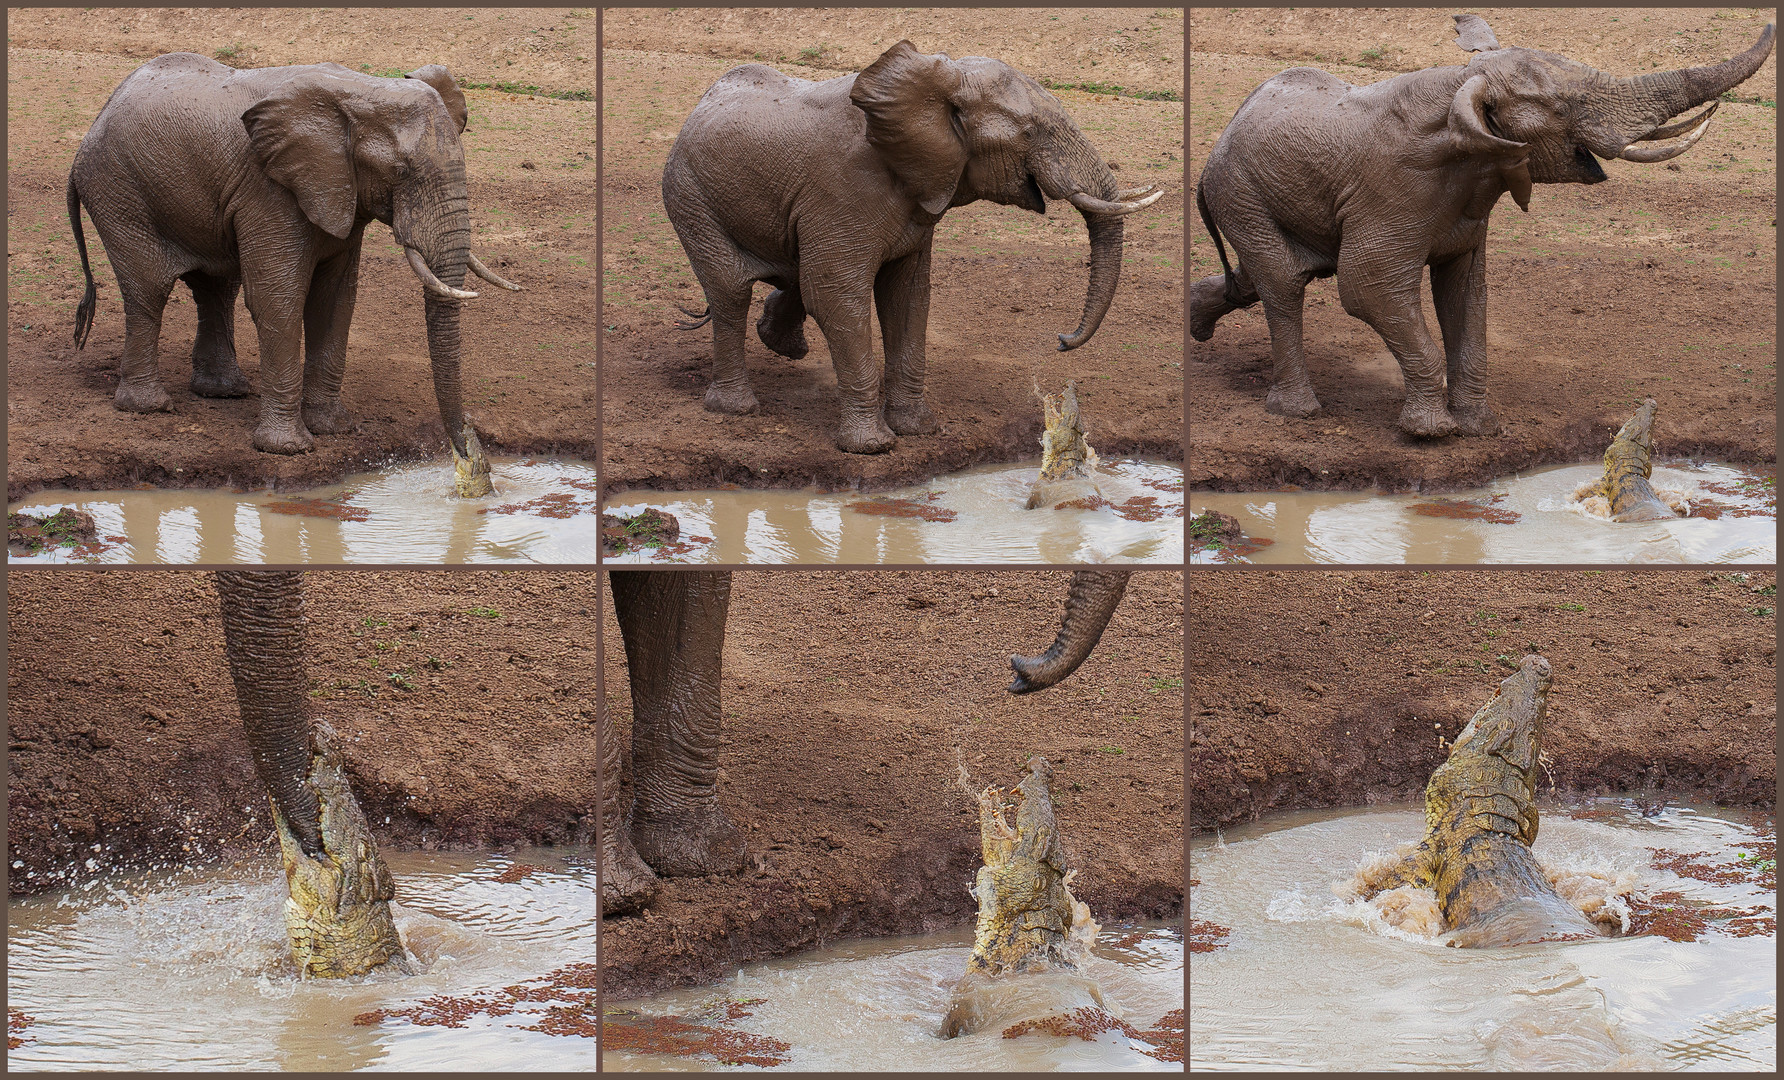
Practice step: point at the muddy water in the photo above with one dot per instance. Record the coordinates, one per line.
(1532, 517)
(1310, 980)
(974, 516)
(542, 511)
(879, 1004)
(190, 970)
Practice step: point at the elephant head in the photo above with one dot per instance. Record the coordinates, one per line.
(1550, 119)
(955, 131)
(351, 148)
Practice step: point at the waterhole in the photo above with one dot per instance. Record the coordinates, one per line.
(1291, 971)
(879, 1004)
(1532, 517)
(542, 511)
(977, 515)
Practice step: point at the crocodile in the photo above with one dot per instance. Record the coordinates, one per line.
(1032, 933)
(470, 470)
(1480, 818)
(1067, 460)
(1627, 466)
(338, 911)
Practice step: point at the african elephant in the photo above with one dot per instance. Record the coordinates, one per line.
(1314, 176)
(263, 181)
(673, 626)
(830, 192)
(337, 911)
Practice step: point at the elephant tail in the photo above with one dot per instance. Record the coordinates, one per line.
(696, 319)
(1233, 297)
(83, 315)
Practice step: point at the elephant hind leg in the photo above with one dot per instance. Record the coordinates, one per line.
(215, 372)
(139, 370)
(782, 325)
(728, 302)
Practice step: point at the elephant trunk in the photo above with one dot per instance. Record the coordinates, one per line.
(1638, 106)
(263, 630)
(1088, 608)
(1075, 172)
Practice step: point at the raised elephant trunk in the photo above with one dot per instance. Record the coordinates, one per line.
(1081, 178)
(1639, 107)
(1088, 608)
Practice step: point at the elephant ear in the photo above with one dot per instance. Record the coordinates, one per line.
(436, 76)
(300, 136)
(1474, 35)
(1468, 127)
(907, 97)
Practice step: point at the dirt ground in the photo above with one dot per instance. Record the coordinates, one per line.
(1659, 282)
(529, 356)
(852, 699)
(1005, 280)
(464, 701)
(1331, 689)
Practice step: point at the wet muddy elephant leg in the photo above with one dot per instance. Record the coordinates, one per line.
(1459, 293)
(215, 372)
(1275, 277)
(276, 295)
(901, 295)
(139, 369)
(782, 325)
(841, 301)
(1384, 292)
(328, 313)
(673, 625)
(337, 912)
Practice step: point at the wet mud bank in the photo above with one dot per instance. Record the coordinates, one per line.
(1317, 689)
(858, 697)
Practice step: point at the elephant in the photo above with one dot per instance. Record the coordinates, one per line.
(830, 193)
(262, 182)
(672, 624)
(1315, 177)
(337, 912)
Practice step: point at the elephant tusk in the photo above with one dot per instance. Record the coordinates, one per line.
(1127, 205)
(433, 284)
(1664, 151)
(489, 275)
(1673, 131)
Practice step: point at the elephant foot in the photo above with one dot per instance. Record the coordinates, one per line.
(143, 397)
(222, 379)
(1299, 404)
(331, 418)
(1426, 420)
(693, 843)
(1476, 420)
(864, 435)
(735, 401)
(274, 437)
(1207, 303)
(627, 885)
(787, 341)
(912, 419)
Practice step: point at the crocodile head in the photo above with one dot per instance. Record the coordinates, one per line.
(1489, 781)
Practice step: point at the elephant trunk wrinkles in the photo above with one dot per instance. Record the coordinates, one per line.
(263, 629)
(1088, 609)
(1085, 172)
(1642, 103)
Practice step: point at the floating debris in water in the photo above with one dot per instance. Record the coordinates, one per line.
(704, 1034)
(334, 507)
(650, 528)
(1671, 915)
(571, 988)
(16, 1023)
(1464, 510)
(912, 508)
(517, 873)
(1220, 535)
(559, 504)
(1205, 937)
(1165, 1038)
(66, 527)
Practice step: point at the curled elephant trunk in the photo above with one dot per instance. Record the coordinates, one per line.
(1088, 609)
(1637, 108)
(1079, 176)
(263, 632)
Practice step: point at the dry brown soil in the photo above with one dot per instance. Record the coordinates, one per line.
(529, 356)
(464, 702)
(851, 700)
(1005, 280)
(1658, 282)
(1331, 689)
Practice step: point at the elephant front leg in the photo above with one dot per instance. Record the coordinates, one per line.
(842, 305)
(215, 370)
(1388, 300)
(1459, 292)
(328, 314)
(673, 626)
(276, 295)
(901, 293)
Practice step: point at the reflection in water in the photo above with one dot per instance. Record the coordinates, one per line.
(1309, 977)
(872, 1005)
(191, 970)
(976, 515)
(1473, 527)
(542, 511)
